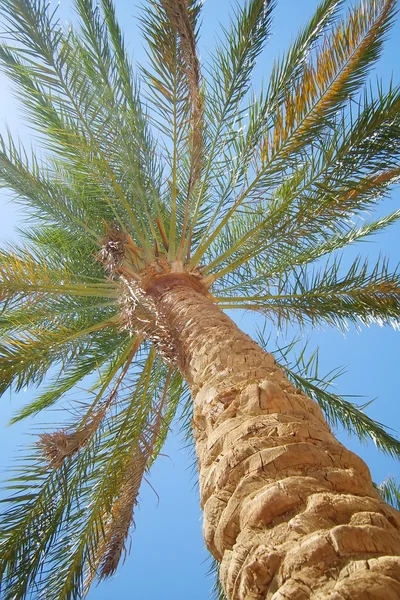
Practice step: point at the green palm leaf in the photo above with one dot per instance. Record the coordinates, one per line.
(175, 98)
(361, 295)
(339, 70)
(390, 492)
(95, 472)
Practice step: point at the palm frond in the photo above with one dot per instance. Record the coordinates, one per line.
(230, 71)
(23, 514)
(291, 66)
(25, 359)
(252, 262)
(81, 115)
(134, 157)
(390, 492)
(114, 355)
(351, 171)
(49, 195)
(249, 130)
(170, 29)
(349, 174)
(87, 500)
(288, 258)
(311, 108)
(337, 72)
(25, 275)
(351, 416)
(182, 19)
(362, 295)
(78, 253)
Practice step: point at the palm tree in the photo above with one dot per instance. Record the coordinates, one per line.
(159, 200)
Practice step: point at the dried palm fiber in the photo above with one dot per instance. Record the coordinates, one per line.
(112, 251)
(139, 313)
(61, 444)
(116, 521)
(120, 518)
(122, 515)
(58, 445)
(118, 253)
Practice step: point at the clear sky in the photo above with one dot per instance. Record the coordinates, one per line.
(168, 560)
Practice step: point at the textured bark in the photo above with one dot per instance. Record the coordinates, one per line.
(288, 511)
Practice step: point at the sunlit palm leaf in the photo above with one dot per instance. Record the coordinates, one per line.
(323, 90)
(229, 81)
(390, 492)
(84, 118)
(361, 295)
(27, 276)
(170, 28)
(349, 173)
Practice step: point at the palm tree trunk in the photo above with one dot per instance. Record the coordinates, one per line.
(289, 512)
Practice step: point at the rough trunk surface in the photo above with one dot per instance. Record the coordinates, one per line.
(288, 511)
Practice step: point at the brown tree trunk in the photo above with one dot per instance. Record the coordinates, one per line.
(288, 511)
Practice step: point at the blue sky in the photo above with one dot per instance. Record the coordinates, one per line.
(168, 559)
